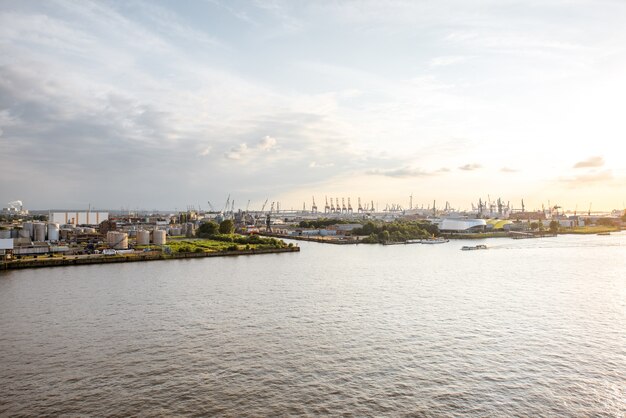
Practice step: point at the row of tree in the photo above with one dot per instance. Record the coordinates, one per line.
(210, 229)
(396, 231)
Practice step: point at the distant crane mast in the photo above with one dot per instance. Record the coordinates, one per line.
(314, 206)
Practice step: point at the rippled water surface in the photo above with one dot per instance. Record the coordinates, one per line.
(526, 328)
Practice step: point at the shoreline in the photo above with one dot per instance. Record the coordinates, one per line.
(132, 258)
(452, 236)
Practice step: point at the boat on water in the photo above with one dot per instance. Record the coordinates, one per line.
(438, 240)
(475, 247)
(604, 233)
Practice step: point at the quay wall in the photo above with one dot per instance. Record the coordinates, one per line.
(125, 258)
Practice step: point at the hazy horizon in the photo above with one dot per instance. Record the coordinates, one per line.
(162, 105)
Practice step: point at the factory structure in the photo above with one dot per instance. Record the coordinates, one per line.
(78, 232)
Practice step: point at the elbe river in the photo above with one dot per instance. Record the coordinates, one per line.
(526, 328)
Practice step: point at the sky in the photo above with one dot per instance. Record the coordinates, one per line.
(167, 104)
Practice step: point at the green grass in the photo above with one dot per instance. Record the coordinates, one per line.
(596, 229)
(210, 246)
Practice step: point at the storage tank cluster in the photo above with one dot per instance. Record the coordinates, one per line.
(159, 237)
(117, 240)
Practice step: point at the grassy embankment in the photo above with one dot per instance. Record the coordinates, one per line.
(220, 243)
(584, 230)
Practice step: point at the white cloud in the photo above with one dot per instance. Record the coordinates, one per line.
(238, 152)
(447, 60)
(597, 161)
(206, 151)
(267, 143)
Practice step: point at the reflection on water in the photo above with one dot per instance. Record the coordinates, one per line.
(528, 327)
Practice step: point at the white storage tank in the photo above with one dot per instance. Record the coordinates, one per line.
(117, 240)
(53, 231)
(159, 237)
(39, 231)
(28, 226)
(24, 233)
(5, 233)
(143, 237)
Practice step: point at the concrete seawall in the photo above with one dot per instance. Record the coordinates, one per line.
(103, 259)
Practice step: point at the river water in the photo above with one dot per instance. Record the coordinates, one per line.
(526, 328)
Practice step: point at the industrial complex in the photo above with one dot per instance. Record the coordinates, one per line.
(75, 232)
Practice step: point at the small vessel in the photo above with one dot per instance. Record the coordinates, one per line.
(604, 233)
(438, 240)
(475, 247)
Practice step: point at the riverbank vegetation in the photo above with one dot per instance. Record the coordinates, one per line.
(396, 231)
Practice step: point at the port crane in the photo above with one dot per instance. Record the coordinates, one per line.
(326, 207)
(314, 206)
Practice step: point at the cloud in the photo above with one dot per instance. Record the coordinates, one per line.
(315, 164)
(470, 167)
(267, 143)
(508, 170)
(238, 152)
(604, 176)
(446, 60)
(403, 172)
(596, 161)
(206, 151)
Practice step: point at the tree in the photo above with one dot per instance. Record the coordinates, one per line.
(554, 226)
(227, 227)
(207, 229)
(534, 225)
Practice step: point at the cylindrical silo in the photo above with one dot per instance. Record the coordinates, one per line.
(39, 231)
(175, 231)
(143, 237)
(159, 237)
(53, 231)
(117, 240)
(27, 226)
(5, 233)
(24, 233)
(190, 230)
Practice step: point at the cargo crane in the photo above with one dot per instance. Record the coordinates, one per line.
(411, 202)
(314, 206)
(326, 207)
(343, 205)
(226, 206)
(350, 207)
(360, 208)
(332, 206)
(372, 207)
